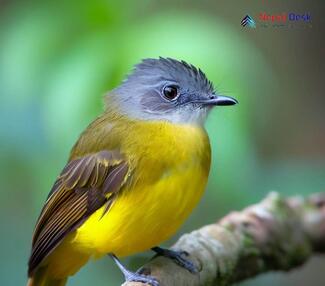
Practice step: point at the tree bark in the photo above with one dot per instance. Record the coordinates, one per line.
(275, 234)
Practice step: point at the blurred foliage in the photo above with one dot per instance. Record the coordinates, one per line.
(57, 60)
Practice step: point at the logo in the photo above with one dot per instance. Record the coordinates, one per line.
(277, 20)
(248, 21)
(285, 17)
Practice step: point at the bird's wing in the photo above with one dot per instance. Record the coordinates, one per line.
(84, 185)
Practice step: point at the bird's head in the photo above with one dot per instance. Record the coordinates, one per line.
(166, 89)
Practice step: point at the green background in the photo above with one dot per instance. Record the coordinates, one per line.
(58, 58)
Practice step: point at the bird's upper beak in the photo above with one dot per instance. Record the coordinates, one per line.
(221, 100)
(218, 100)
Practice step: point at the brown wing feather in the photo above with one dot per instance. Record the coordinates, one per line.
(84, 185)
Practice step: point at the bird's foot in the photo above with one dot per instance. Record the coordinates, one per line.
(137, 277)
(134, 276)
(177, 257)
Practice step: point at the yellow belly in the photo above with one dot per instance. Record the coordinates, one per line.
(143, 217)
(166, 185)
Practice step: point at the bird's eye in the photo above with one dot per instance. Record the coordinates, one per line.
(170, 92)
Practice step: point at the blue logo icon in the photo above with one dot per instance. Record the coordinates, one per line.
(248, 21)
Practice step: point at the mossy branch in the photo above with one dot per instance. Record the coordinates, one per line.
(275, 234)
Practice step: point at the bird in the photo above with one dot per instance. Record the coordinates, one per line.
(132, 178)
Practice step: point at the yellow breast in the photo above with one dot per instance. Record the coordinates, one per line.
(170, 166)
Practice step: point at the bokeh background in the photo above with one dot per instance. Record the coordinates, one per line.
(58, 58)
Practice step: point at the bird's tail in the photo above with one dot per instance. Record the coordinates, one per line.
(40, 278)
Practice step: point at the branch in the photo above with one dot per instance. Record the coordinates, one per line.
(275, 234)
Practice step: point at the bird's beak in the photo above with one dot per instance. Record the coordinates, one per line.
(219, 100)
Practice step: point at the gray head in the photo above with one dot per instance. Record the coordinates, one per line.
(166, 89)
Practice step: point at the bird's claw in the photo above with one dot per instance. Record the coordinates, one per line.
(181, 261)
(178, 258)
(137, 277)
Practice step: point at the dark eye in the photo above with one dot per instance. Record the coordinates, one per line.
(170, 92)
